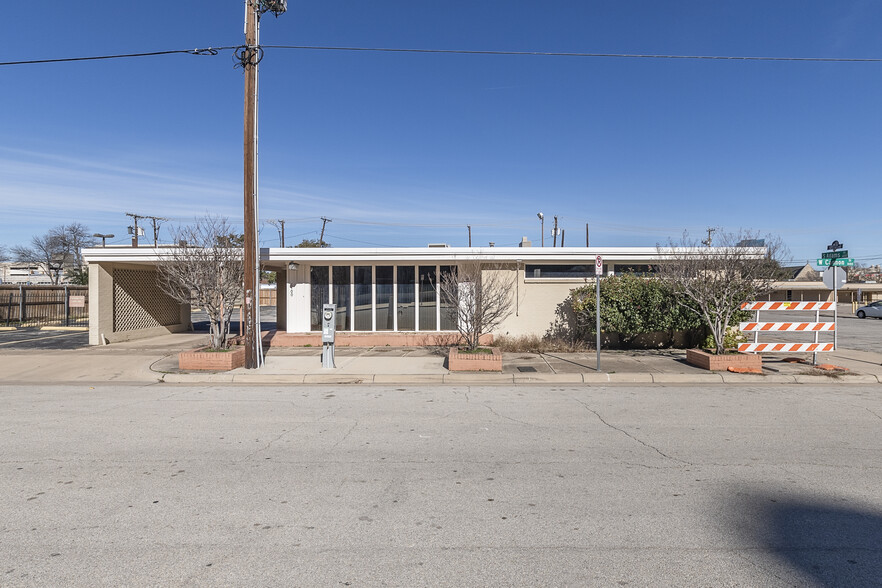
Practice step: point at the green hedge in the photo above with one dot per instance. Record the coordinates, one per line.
(632, 306)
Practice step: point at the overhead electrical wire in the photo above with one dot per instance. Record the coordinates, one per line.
(215, 50)
(205, 51)
(571, 54)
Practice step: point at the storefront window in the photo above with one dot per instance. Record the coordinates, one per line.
(448, 298)
(406, 296)
(342, 296)
(363, 298)
(384, 279)
(428, 298)
(319, 279)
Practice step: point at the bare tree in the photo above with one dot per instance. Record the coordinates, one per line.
(45, 251)
(72, 238)
(716, 280)
(478, 298)
(205, 269)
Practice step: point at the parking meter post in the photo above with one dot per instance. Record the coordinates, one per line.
(329, 325)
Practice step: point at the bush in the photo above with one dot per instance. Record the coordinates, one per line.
(632, 306)
(536, 344)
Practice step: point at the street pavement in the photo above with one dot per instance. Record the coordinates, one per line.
(171, 485)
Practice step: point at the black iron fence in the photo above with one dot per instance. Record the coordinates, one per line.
(31, 306)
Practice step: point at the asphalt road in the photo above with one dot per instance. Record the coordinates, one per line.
(441, 486)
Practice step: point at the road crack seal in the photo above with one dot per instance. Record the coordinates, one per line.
(630, 436)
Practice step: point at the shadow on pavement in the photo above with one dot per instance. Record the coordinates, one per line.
(832, 543)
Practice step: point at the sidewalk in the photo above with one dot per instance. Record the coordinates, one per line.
(155, 360)
(423, 366)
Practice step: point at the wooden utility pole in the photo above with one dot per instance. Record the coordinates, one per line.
(709, 241)
(135, 218)
(470, 235)
(322, 236)
(587, 241)
(562, 235)
(282, 223)
(554, 232)
(249, 59)
(155, 220)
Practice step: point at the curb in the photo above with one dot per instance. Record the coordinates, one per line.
(491, 379)
(64, 328)
(8, 328)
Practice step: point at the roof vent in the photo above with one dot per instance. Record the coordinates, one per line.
(438, 245)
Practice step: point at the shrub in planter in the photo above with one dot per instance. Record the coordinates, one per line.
(631, 306)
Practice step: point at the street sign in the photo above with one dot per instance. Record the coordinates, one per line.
(835, 254)
(826, 262)
(598, 265)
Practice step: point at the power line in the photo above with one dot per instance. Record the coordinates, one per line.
(570, 54)
(205, 51)
(216, 50)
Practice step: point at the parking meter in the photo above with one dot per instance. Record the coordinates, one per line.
(329, 330)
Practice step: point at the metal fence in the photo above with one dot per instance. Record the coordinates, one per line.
(31, 306)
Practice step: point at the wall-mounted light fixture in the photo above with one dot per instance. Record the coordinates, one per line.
(293, 266)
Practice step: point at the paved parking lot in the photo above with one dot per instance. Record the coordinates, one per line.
(34, 338)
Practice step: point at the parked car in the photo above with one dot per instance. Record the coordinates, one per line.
(873, 309)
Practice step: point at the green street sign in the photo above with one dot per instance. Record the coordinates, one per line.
(835, 254)
(826, 262)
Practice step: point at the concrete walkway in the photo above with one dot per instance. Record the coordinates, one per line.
(155, 359)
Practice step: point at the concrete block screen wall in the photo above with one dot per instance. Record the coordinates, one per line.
(126, 303)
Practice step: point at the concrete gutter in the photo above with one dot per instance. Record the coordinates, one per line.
(516, 379)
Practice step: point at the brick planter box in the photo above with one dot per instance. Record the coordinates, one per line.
(216, 361)
(458, 361)
(709, 361)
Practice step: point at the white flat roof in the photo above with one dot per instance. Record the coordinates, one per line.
(417, 254)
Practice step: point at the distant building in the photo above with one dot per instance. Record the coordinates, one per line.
(23, 273)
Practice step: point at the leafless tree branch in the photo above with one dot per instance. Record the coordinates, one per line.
(205, 269)
(479, 297)
(716, 280)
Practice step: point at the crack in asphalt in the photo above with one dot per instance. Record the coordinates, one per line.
(874, 413)
(346, 436)
(502, 416)
(269, 444)
(630, 436)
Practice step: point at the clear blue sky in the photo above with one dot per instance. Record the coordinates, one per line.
(424, 144)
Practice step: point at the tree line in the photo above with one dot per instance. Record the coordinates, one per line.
(58, 252)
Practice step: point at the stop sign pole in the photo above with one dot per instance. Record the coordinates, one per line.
(598, 271)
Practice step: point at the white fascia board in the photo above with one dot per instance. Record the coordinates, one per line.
(124, 254)
(455, 254)
(152, 255)
(365, 255)
(498, 254)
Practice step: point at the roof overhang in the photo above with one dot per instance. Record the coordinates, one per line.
(153, 255)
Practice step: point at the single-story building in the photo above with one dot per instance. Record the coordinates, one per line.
(383, 295)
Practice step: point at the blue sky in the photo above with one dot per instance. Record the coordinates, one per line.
(407, 149)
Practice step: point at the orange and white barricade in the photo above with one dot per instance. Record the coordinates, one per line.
(816, 327)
